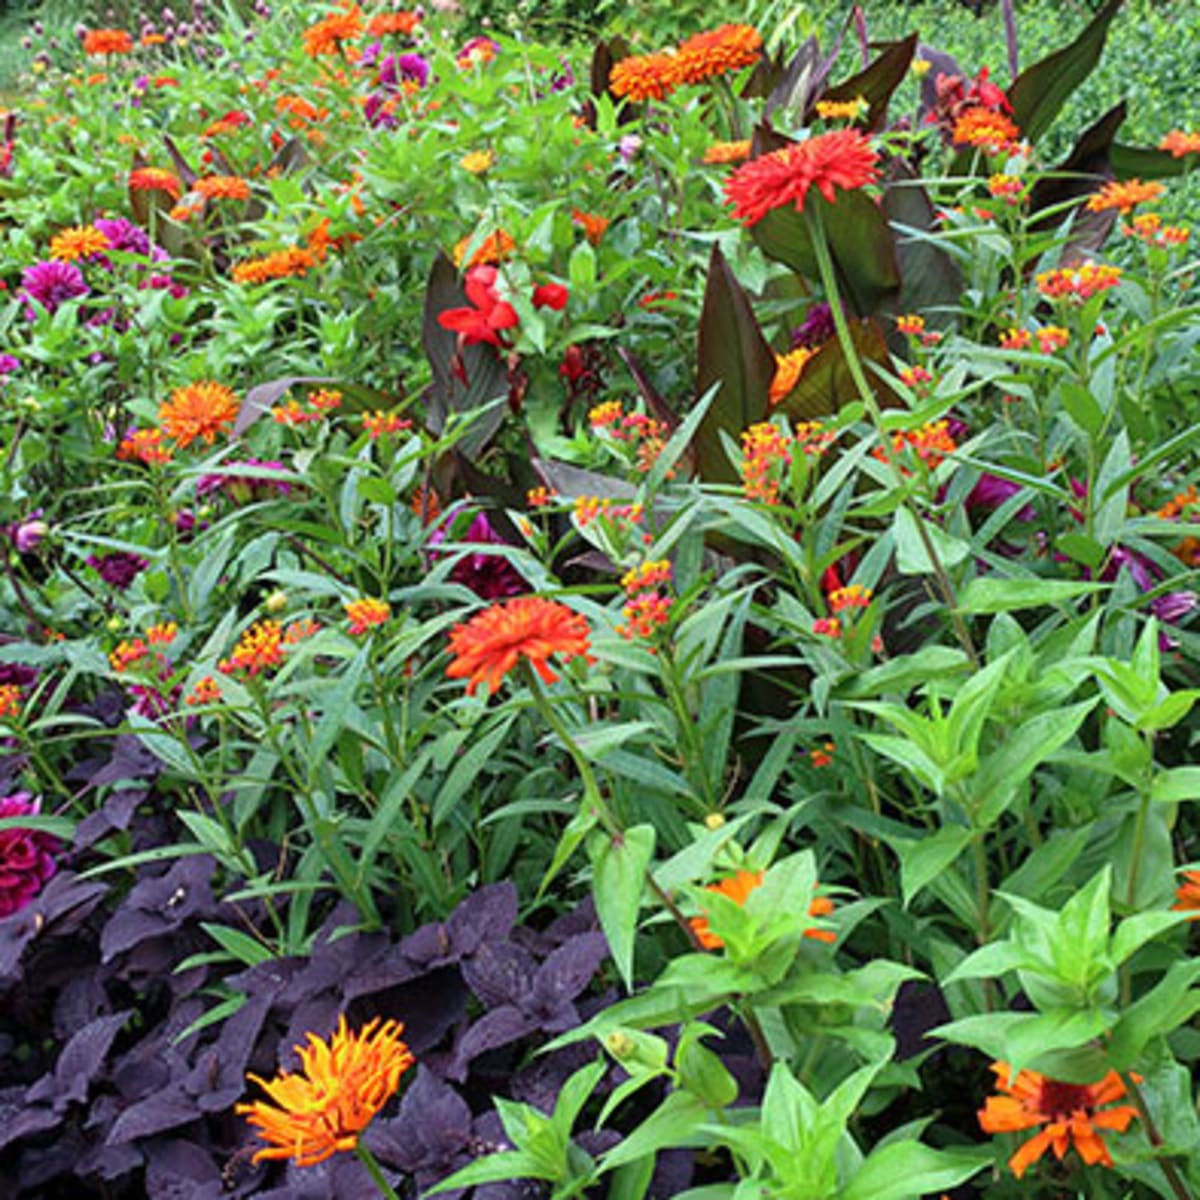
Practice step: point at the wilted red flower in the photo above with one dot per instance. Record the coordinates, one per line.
(488, 314)
(199, 410)
(843, 159)
(738, 888)
(1070, 1112)
(26, 855)
(490, 644)
(715, 51)
(324, 1107)
(1125, 196)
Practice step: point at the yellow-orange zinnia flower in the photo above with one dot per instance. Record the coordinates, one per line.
(155, 179)
(1179, 143)
(222, 187)
(324, 1107)
(1124, 197)
(716, 51)
(80, 241)
(643, 77)
(491, 643)
(991, 131)
(280, 264)
(1069, 1112)
(738, 888)
(727, 152)
(843, 159)
(199, 410)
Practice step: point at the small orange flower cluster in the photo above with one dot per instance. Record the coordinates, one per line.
(1124, 197)
(279, 264)
(478, 162)
(822, 756)
(1007, 187)
(915, 377)
(738, 888)
(206, 691)
(1178, 505)
(1149, 228)
(911, 324)
(647, 608)
(830, 627)
(853, 595)
(595, 508)
(789, 368)
(328, 35)
(1051, 338)
(645, 433)
(319, 405)
(367, 614)
(1187, 895)
(494, 248)
(932, 442)
(720, 153)
(642, 77)
(989, 131)
(425, 504)
(766, 457)
(606, 415)
(402, 23)
(380, 423)
(145, 446)
(78, 242)
(540, 497)
(222, 187)
(1077, 283)
(10, 701)
(262, 647)
(492, 642)
(593, 224)
(1179, 143)
(842, 110)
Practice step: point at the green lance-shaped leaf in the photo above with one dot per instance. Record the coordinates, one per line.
(619, 866)
(1040, 91)
(732, 354)
(876, 82)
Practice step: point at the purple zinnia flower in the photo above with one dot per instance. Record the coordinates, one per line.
(8, 364)
(26, 855)
(118, 569)
(124, 235)
(52, 283)
(377, 114)
(489, 576)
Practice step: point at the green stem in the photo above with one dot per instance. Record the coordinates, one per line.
(871, 404)
(1174, 1179)
(982, 914)
(368, 1160)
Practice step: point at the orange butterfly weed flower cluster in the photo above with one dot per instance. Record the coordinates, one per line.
(986, 130)
(488, 646)
(403, 23)
(842, 159)
(1149, 228)
(595, 508)
(738, 888)
(280, 264)
(317, 407)
(367, 614)
(10, 701)
(1124, 197)
(379, 424)
(324, 1107)
(146, 446)
(593, 224)
(258, 649)
(1077, 283)
(648, 605)
(1065, 1113)
(199, 410)
(932, 442)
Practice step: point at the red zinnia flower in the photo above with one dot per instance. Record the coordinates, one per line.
(844, 158)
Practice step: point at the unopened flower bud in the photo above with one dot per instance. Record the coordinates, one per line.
(276, 601)
(714, 821)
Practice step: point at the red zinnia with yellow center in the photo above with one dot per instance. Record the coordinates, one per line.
(199, 410)
(491, 643)
(715, 51)
(324, 1107)
(843, 159)
(1071, 1113)
(738, 888)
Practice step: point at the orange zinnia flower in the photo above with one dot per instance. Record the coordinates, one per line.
(727, 152)
(1070, 1112)
(1187, 894)
(327, 36)
(982, 127)
(155, 179)
(1180, 143)
(366, 614)
(843, 159)
(393, 22)
(738, 888)
(222, 187)
(325, 1106)
(788, 369)
(199, 410)
(144, 446)
(643, 77)
(593, 224)
(495, 247)
(715, 51)
(491, 643)
(279, 265)
(107, 41)
(80, 241)
(1124, 197)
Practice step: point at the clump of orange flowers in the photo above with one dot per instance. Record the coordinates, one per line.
(488, 646)
(647, 606)
(324, 1108)
(107, 41)
(379, 423)
(1178, 143)
(1187, 895)
(642, 77)
(145, 446)
(987, 130)
(1065, 1114)
(199, 410)
(222, 187)
(258, 649)
(280, 264)
(1077, 283)
(738, 888)
(592, 224)
(79, 241)
(1149, 228)
(932, 442)
(716, 52)
(1124, 197)
(329, 34)
(727, 152)
(367, 614)
(10, 701)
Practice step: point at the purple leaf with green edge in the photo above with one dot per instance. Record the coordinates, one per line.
(826, 383)
(486, 375)
(732, 354)
(876, 82)
(571, 482)
(1039, 92)
(930, 279)
(1078, 176)
(1145, 162)
(764, 78)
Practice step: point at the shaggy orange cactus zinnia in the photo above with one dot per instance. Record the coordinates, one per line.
(491, 643)
(716, 51)
(79, 241)
(107, 41)
(222, 187)
(1068, 1113)
(738, 888)
(327, 35)
(199, 410)
(324, 1108)
(642, 77)
(842, 159)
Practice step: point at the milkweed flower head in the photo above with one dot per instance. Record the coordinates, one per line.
(323, 1108)
(986, 129)
(717, 51)
(766, 457)
(647, 607)
(842, 159)
(1077, 283)
(11, 699)
(259, 649)
(26, 855)
(1149, 228)
(488, 646)
(198, 411)
(1064, 1114)
(367, 614)
(1124, 196)
(738, 888)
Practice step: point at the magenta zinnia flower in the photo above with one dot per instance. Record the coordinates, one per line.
(26, 855)
(52, 283)
(489, 576)
(118, 569)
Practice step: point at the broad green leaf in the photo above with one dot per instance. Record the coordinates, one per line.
(912, 558)
(620, 865)
(909, 1170)
(921, 860)
(992, 595)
